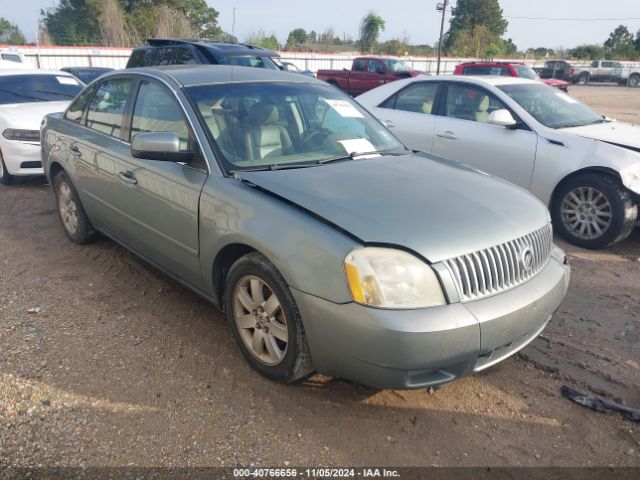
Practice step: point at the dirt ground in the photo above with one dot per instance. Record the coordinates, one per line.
(122, 366)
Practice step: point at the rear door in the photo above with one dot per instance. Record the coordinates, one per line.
(462, 133)
(157, 202)
(95, 149)
(410, 114)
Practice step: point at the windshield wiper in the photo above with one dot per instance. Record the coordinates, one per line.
(354, 155)
(275, 166)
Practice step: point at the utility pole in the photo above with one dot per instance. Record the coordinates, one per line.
(233, 25)
(441, 7)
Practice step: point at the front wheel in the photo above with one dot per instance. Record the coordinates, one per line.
(5, 177)
(265, 320)
(593, 211)
(634, 80)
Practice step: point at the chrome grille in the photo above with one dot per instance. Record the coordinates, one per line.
(495, 269)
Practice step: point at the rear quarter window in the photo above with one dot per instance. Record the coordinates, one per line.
(79, 105)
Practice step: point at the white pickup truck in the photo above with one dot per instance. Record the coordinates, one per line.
(627, 75)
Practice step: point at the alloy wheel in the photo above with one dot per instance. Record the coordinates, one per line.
(260, 320)
(68, 208)
(586, 213)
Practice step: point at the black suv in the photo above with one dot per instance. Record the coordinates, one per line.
(171, 51)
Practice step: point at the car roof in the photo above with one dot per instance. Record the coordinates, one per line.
(224, 48)
(482, 64)
(494, 80)
(190, 75)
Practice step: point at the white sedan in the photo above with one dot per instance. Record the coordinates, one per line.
(26, 96)
(584, 166)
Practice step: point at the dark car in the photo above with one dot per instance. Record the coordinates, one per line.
(171, 51)
(86, 74)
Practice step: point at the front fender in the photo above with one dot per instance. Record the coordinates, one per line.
(562, 156)
(307, 252)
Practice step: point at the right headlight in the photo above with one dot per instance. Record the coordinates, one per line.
(389, 278)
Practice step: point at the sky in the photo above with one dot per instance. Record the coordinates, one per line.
(415, 19)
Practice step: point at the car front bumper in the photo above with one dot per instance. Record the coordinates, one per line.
(22, 158)
(425, 347)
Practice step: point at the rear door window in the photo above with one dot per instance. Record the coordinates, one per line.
(185, 56)
(166, 56)
(107, 107)
(418, 97)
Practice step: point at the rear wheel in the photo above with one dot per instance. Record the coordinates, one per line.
(634, 80)
(75, 222)
(5, 177)
(593, 211)
(583, 79)
(265, 320)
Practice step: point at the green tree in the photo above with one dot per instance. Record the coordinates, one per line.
(370, 29)
(262, 39)
(10, 33)
(73, 22)
(620, 44)
(394, 47)
(468, 15)
(296, 38)
(587, 52)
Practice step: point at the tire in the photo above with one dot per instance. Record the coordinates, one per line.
(634, 80)
(583, 79)
(578, 198)
(75, 223)
(5, 177)
(250, 281)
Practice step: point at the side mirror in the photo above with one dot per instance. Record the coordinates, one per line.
(162, 146)
(502, 118)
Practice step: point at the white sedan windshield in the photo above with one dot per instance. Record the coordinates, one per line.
(551, 107)
(285, 124)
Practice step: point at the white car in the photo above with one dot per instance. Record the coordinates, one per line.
(26, 96)
(584, 166)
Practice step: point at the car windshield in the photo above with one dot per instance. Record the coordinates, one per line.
(396, 65)
(526, 72)
(551, 107)
(37, 88)
(251, 61)
(286, 125)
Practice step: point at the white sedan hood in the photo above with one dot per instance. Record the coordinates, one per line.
(28, 116)
(619, 133)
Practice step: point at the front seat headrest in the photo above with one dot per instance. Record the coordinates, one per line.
(263, 114)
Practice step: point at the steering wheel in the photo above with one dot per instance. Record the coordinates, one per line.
(316, 137)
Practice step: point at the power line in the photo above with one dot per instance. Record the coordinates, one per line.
(576, 19)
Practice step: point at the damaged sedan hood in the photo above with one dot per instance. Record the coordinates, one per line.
(434, 207)
(618, 133)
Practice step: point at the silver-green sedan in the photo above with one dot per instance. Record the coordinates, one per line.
(328, 244)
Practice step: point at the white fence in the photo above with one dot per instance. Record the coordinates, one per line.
(55, 58)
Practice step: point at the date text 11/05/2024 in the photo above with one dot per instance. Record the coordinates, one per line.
(315, 473)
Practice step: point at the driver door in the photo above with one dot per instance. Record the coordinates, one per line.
(158, 201)
(462, 133)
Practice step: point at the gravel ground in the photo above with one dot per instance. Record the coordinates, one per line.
(122, 366)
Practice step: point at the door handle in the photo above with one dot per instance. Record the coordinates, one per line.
(75, 151)
(448, 135)
(389, 123)
(127, 177)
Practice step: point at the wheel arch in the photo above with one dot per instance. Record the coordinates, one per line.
(583, 171)
(54, 169)
(223, 261)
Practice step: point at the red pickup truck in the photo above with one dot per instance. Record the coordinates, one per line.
(367, 73)
(507, 69)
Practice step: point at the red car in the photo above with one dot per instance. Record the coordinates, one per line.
(507, 69)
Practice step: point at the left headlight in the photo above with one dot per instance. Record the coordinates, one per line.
(388, 278)
(22, 135)
(630, 177)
